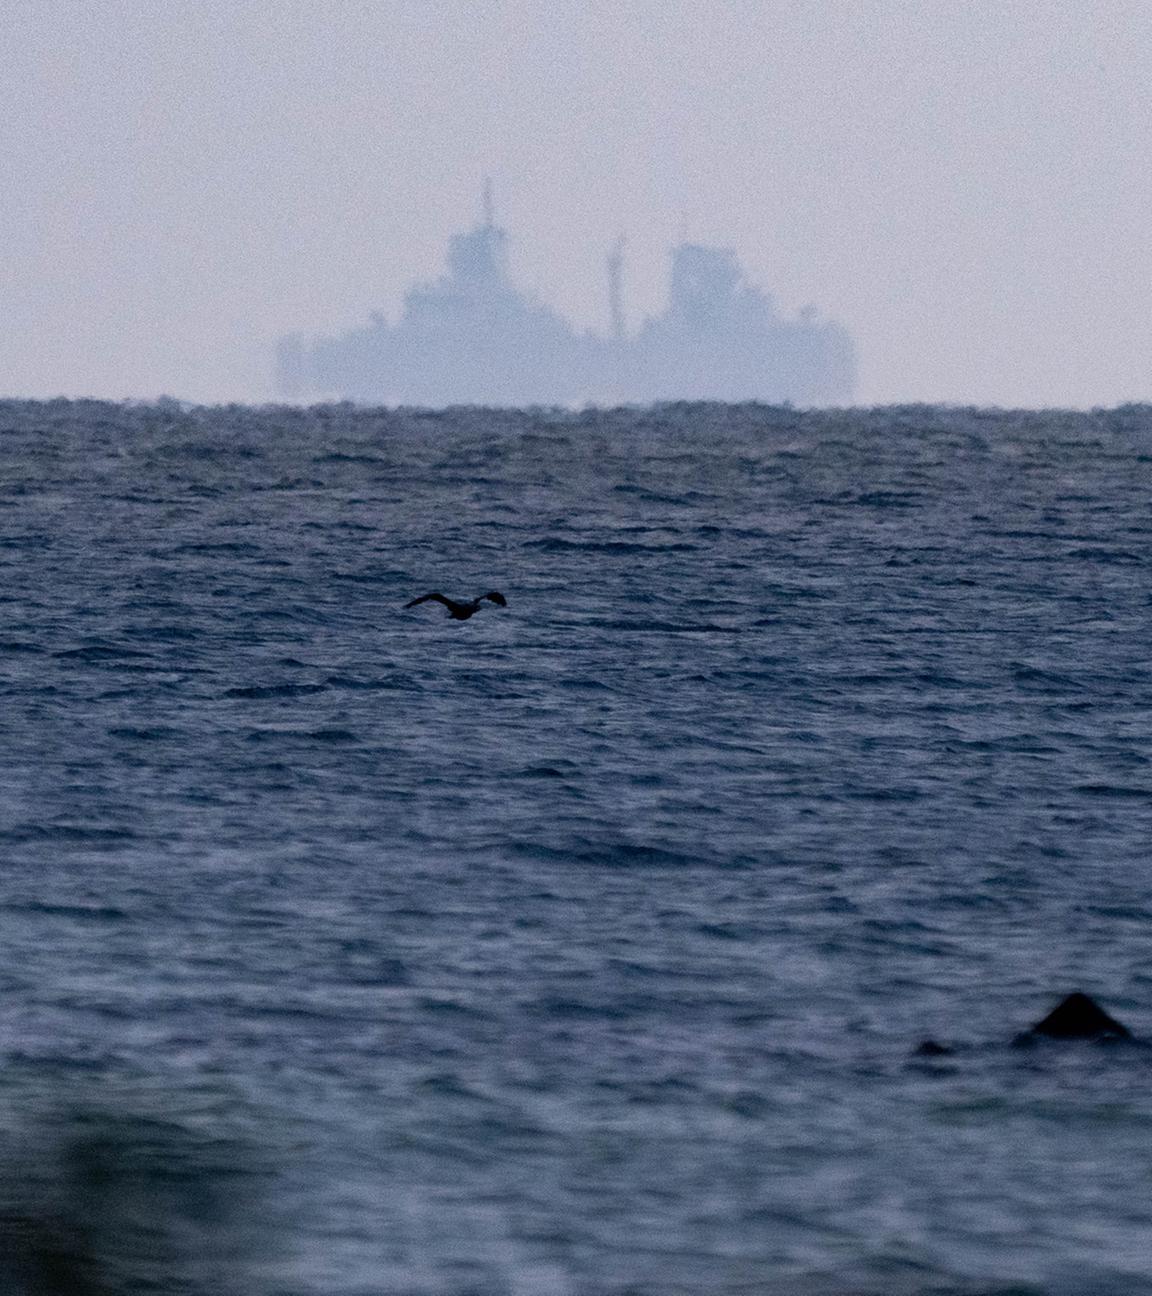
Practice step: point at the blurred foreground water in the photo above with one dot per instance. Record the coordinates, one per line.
(578, 949)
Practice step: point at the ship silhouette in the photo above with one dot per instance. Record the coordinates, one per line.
(472, 337)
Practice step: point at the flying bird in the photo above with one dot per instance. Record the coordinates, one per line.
(461, 611)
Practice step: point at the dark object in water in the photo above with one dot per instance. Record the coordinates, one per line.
(461, 611)
(104, 1203)
(1078, 1017)
(930, 1048)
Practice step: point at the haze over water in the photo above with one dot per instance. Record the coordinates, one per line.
(962, 184)
(581, 947)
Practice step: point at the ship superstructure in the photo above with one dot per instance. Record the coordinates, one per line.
(474, 337)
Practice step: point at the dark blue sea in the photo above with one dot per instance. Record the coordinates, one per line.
(580, 948)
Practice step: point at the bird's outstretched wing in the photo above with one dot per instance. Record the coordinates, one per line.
(425, 598)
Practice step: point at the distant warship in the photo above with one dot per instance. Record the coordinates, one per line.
(472, 337)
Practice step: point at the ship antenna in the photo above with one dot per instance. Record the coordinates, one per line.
(616, 287)
(487, 206)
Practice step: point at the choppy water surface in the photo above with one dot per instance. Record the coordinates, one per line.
(580, 948)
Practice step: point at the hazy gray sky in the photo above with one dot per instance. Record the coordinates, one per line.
(966, 184)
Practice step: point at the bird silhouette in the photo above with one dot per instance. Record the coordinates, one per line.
(461, 611)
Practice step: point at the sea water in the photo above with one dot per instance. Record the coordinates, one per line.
(581, 948)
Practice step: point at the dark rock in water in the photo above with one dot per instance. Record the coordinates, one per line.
(1077, 1018)
(930, 1048)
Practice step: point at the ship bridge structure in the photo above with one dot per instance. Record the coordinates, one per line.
(473, 337)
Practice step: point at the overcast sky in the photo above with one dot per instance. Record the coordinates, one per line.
(965, 184)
